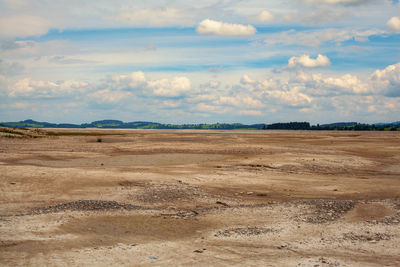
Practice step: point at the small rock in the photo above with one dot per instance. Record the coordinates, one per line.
(153, 257)
(198, 251)
(222, 203)
(249, 193)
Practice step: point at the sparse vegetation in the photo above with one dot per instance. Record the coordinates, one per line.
(99, 140)
(5, 130)
(50, 133)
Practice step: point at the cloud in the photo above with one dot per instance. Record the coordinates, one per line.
(11, 45)
(319, 85)
(157, 17)
(394, 24)
(67, 60)
(137, 83)
(23, 26)
(302, 91)
(46, 89)
(111, 90)
(132, 81)
(20, 105)
(175, 87)
(254, 85)
(208, 26)
(245, 79)
(387, 81)
(206, 107)
(150, 47)
(342, 2)
(292, 97)
(211, 85)
(9, 69)
(324, 14)
(171, 104)
(315, 38)
(3, 85)
(265, 16)
(239, 101)
(107, 96)
(307, 62)
(251, 112)
(346, 83)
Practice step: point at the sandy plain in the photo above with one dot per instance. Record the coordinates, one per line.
(200, 198)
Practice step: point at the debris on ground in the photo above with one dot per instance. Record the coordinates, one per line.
(85, 205)
(244, 231)
(367, 237)
(327, 210)
(169, 193)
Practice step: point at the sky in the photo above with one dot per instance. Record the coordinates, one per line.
(185, 61)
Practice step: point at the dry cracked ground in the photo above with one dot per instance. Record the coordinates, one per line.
(206, 198)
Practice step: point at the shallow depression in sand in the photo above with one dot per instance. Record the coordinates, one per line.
(136, 228)
(369, 211)
(127, 160)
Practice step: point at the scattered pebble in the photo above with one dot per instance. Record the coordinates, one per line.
(85, 205)
(244, 231)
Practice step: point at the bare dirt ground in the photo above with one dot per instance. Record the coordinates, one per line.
(206, 198)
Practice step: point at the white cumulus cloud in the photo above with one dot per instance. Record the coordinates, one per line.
(209, 26)
(240, 101)
(307, 62)
(46, 89)
(387, 80)
(394, 24)
(130, 81)
(174, 87)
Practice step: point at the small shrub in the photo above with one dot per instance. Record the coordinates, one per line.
(99, 140)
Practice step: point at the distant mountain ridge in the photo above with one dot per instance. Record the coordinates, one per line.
(117, 124)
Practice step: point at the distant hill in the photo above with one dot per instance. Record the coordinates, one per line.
(289, 126)
(116, 124)
(396, 123)
(339, 124)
